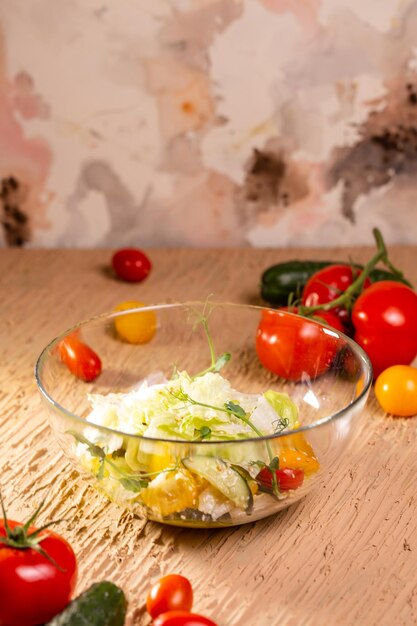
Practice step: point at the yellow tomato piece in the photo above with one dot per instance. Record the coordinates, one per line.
(299, 442)
(297, 459)
(135, 327)
(160, 460)
(396, 390)
(172, 492)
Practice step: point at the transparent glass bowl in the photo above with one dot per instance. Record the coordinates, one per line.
(201, 482)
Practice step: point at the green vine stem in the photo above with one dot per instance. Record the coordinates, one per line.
(347, 298)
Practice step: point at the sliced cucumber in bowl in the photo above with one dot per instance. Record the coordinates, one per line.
(225, 478)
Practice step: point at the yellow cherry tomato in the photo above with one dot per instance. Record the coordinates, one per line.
(135, 327)
(396, 390)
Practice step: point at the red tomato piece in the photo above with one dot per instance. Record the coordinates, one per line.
(385, 321)
(292, 346)
(287, 478)
(131, 264)
(170, 593)
(80, 359)
(32, 588)
(182, 618)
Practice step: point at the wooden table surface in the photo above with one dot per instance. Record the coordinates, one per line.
(345, 555)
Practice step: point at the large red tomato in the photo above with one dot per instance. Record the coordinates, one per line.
(293, 347)
(33, 587)
(385, 321)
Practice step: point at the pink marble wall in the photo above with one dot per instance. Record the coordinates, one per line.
(207, 122)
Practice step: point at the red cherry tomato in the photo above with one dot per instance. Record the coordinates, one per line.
(80, 359)
(182, 618)
(329, 283)
(32, 588)
(292, 346)
(170, 593)
(131, 265)
(287, 478)
(385, 321)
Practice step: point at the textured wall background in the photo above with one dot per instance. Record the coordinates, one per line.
(207, 122)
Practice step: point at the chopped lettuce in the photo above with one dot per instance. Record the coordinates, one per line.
(160, 411)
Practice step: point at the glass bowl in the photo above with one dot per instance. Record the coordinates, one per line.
(203, 415)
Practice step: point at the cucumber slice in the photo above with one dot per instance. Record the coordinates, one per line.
(224, 478)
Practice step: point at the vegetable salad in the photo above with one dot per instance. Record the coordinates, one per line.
(199, 483)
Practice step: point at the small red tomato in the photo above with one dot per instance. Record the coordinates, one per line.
(292, 346)
(33, 587)
(131, 264)
(385, 321)
(170, 593)
(182, 618)
(80, 359)
(329, 283)
(287, 478)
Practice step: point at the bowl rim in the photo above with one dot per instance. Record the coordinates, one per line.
(363, 357)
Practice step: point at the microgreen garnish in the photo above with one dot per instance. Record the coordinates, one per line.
(217, 362)
(280, 424)
(132, 482)
(203, 433)
(21, 538)
(231, 408)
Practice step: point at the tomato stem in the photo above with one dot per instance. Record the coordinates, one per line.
(20, 538)
(347, 298)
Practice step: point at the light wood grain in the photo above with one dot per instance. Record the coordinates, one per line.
(345, 555)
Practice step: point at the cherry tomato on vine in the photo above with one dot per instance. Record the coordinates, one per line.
(396, 390)
(385, 321)
(329, 283)
(80, 359)
(182, 618)
(33, 587)
(131, 264)
(170, 593)
(287, 478)
(137, 327)
(292, 346)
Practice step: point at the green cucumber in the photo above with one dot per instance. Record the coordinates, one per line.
(103, 604)
(279, 281)
(223, 477)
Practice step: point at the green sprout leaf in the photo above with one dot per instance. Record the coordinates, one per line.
(235, 408)
(274, 464)
(221, 361)
(134, 485)
(94, 450)
(204, 432)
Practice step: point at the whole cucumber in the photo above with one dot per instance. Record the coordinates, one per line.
(281, 280)
(102, 604)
